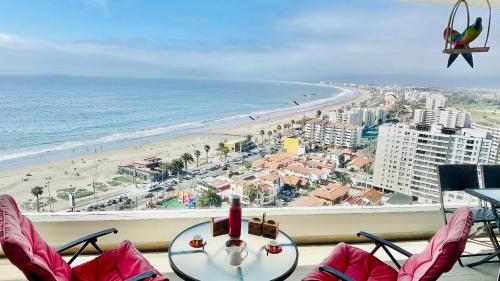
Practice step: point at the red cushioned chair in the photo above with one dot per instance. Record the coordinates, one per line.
(23, 246)
(348, 263)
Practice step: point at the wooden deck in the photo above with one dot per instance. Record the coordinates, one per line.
(309, 257)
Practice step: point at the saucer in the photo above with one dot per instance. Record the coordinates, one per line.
(237, 243)
(277, 250)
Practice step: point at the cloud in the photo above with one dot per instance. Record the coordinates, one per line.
(399, 45)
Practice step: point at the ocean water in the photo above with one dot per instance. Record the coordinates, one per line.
(46, 114)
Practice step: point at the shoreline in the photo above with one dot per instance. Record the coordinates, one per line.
(81, 170)
(123, 140)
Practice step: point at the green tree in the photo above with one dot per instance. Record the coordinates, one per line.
(220, 149)
(37, 191)
(164, 166)
(247, 164)
(262, 133)
(269, 133)
(344, 179)
(225, 152)
(175, 167)
(278, 127)
(286, 126)
(207, 149)
(318, 114)
(248, 138)
(209, 198)
(197, 154)
(187, 158)
(251, 192)
(342, 161)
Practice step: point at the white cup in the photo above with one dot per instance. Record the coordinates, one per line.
(198, 240)
(272, 246)
(273, 243)
(235, 255)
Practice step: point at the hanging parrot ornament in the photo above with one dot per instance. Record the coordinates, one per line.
(462, 40)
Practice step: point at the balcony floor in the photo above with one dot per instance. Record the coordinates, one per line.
(310, 256)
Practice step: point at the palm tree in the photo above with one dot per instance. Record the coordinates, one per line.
(164, 167)
(318, 114)
(252, 192)
(345, 179)
(210, 198)
(207, 149)
(220, 149)
(37, 191)
(176, 166)
(262, 133)
(187, 158)
(269, 133)
(278, 127)
(248, 138)
(197, 154)
(225, 152)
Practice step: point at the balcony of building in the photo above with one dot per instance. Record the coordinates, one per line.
(315, 230)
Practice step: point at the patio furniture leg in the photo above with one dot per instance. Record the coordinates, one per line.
(486, 259)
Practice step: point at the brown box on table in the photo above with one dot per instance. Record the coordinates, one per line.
(220, 226)
(255, 226)
(270, 229)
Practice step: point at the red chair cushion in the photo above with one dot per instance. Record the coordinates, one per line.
(116, 265)
(443, 251)
(24, 248)
(355, 263)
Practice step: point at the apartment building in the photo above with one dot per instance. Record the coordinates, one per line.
(495, 146)
(453, 118)
(424, 116)
(350, 116)
(373, 116)
(406, 156)
(329, 133)
(435, 101)
(447, 117)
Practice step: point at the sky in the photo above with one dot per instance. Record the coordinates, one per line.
(369, 41)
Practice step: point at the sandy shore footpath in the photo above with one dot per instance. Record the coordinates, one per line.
(79, 172)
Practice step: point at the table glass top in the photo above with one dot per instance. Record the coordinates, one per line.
(489, 194)
(212, 263)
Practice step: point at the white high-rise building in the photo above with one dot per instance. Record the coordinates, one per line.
(329, 133)
(373, 116)
(447, 117)
(406, 158)
(453, 118)
(423, 116)
(435, 101)
(350, 116)
(495, 146)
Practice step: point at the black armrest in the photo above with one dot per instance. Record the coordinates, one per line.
(383, 242)
(143, 276)
(86, 240)
(334, 272)
(91, 238)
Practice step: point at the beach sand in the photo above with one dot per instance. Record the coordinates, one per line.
(79, 172)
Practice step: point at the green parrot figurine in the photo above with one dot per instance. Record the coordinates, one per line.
(462, 40)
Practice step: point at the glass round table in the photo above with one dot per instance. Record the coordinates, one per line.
(211, 262)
